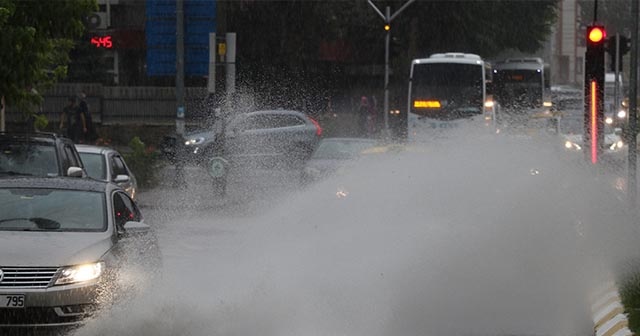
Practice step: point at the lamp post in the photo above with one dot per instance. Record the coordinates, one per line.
(387, 17)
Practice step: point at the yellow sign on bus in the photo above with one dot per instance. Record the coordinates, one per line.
(426, 104)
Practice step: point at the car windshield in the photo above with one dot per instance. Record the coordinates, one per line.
(570, 105)
(341, 149)
(575, 125)
(94, 164)
(28, 158)
(33, 209)
(457, 88)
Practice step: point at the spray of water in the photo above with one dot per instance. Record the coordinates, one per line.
(468, 235)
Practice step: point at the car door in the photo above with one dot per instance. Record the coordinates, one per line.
(126, 250)
(289, 133)
(247, 139)
(140, 251)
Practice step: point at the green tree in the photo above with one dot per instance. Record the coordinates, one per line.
(35, 40)
(287, 32)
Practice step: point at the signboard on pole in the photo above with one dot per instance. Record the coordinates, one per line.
(160, 31)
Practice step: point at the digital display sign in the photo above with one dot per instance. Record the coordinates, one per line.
(102, 41)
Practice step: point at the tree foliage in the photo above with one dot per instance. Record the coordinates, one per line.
(285, 37)
(34, 45)
(289, 31)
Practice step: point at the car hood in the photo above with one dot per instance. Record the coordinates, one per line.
(48, 249)
(208, 135)
(326, 166)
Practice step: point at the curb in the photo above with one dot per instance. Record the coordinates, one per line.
(608, 314)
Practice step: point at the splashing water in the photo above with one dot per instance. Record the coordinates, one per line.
(477, 236)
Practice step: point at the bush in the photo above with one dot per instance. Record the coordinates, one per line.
(144, 163)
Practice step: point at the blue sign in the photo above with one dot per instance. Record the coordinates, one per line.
(160, 31)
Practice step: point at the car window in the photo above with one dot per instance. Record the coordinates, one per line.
(70, 157)
(124, 209)
(256, 122)
(570, 104)
(31, 158)
(286, 121)
(132, 207)
(50, 209)
(117, 167)
(94, 164)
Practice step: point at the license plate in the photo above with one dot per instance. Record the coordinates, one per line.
(11, 300)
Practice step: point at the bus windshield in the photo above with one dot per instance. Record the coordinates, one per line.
(457, 87)
(519, 88)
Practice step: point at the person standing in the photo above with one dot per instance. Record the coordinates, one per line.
(89, 132)
(72, 122)
(363, 116)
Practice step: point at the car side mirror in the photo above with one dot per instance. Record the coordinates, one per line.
(133, 227)
(122, 179)
(75, 172)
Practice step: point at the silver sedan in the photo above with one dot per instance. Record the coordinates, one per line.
(67, 245)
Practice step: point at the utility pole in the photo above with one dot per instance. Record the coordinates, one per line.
(616, 81)
(230, 61)
(387, 17)
(632, 140)
(211, 80)
(180, 67)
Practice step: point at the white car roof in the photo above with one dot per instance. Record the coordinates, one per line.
(94, 149)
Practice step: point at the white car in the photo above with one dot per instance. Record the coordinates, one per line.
(106, 164)
(572, 134)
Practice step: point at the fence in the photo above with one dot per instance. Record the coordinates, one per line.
(112, 105)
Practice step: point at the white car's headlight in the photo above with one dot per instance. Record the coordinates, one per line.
(80, 273)
(570, 145)
(194, 141)
(617, 145)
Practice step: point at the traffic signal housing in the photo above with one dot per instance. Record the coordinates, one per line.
(594, 92)
(610, 48)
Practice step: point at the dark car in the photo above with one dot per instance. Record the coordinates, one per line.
(273, 138)
(331, 154)
(38, 154)
(68, 245)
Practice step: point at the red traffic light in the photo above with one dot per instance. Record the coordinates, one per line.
(596, 34)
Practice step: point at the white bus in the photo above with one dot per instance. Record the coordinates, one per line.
(521, 85)
(445, 91)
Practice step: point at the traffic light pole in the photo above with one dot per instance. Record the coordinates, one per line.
(594, 93)
(633, 109)
(386, 71)
(387, 17)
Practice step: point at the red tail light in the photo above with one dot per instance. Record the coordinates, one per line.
(318, 128)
